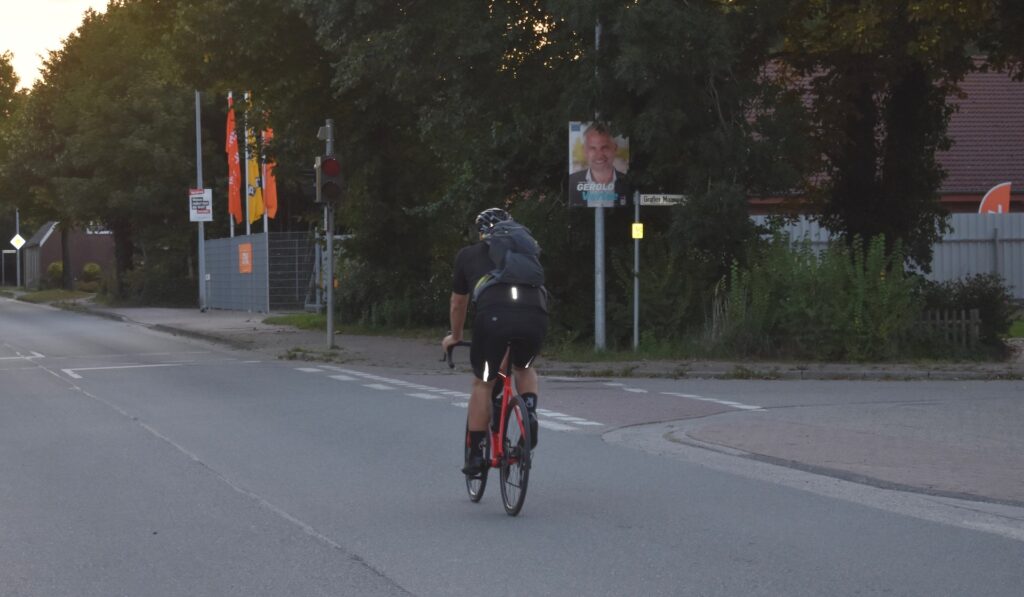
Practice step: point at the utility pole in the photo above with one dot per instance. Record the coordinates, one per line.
(599, 282)
(199, 185)
(327, 179)
(17, 232)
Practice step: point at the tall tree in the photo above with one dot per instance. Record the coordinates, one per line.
(879, 74)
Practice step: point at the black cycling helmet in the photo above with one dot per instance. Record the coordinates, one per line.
(489, 217)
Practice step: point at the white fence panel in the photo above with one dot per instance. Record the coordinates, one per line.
(977, 244)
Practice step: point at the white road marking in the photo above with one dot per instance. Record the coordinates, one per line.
(71, 372)
(309, 369)
(21, 357)
(554, 426)
(426, 396)
(729, 403)
(432, 393)
(614, 384)
(635, 390)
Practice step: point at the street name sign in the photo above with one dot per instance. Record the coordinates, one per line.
(661, 200)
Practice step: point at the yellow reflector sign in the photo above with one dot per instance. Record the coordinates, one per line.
(638, 230)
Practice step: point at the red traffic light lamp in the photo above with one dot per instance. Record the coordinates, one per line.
(328, 179)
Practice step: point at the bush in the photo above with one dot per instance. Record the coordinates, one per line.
(846, 304)
(92, 272)
(986, 292)
(54, 275)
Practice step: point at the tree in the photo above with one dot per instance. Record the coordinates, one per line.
(880, 75)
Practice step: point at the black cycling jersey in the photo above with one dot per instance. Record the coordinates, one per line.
(472, 263)
(502, 317)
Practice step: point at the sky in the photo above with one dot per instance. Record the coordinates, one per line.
(31, 28)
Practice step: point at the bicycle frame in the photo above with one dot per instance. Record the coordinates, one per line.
(497, 446)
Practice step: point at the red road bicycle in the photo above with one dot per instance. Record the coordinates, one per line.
(508, 444)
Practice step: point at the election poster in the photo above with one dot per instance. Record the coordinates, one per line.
(598, 166)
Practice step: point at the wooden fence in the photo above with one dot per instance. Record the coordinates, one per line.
(955, 326)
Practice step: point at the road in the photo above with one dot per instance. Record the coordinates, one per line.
(137, 463)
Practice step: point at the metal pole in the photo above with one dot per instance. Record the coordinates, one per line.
(636, 275)
(329, 229)
(17, 254)
(199, 185)
(231, 218)
(599, 284)
(248, 224)
(266, 220)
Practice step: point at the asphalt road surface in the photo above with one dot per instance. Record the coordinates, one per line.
(139, 464)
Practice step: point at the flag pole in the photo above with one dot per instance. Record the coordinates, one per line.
(248, 223)
(266, 219)
(231, 217)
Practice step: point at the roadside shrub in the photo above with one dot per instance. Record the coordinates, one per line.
(54, 275)
(986, 292)
(91, 272)
(90, 279)
(845, 304)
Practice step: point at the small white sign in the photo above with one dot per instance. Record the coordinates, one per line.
(200, 205)
(657, 200)
(17, 241)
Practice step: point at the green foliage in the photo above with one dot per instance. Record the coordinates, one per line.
(54, 275)
(846, 304)
(91, 272)
(986, 292)
(445, 108)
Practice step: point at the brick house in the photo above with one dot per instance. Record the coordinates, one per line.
(44, 248)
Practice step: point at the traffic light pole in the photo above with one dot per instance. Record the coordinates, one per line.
(327, 136)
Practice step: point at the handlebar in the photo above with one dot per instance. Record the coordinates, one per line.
(448, 354)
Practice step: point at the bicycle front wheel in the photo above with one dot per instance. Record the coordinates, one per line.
(515, 459)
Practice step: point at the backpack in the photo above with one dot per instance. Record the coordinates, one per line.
(515, 255)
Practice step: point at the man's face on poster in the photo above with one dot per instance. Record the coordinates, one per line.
(600, 149)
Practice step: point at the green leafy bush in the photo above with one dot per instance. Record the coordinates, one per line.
(54, 275)
(986, 292)
(845, 304)
(92, 272)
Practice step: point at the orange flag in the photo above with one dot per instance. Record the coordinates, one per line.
(234, 166)
(269, 181)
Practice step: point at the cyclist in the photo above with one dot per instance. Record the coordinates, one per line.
(501, 325)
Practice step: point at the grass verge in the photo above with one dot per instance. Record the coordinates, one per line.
(54, 296)
(318, 322)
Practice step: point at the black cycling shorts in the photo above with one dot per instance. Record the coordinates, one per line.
(495, 328)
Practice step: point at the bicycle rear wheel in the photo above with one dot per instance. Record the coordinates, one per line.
(515, 462)
(475, 484)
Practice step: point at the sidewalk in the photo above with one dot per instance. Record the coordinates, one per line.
(943, 453)
(247, 331)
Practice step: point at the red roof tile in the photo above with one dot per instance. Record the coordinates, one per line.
(988, 136)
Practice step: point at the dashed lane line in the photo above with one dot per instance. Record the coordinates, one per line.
(432, 393)
(729, 403)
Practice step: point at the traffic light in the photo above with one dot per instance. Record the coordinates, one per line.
(328, 179)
